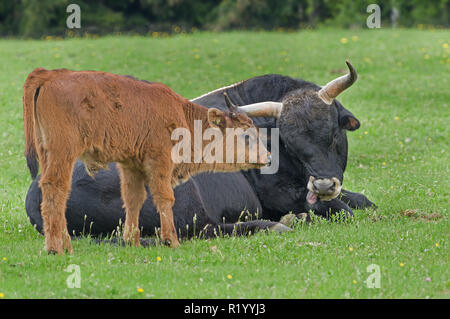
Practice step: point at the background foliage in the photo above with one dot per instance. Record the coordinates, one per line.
(31, 18)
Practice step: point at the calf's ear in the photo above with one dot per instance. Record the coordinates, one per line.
(216, 118)
(348, 121)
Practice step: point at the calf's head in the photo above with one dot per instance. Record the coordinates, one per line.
(240, 140)
(313, 127)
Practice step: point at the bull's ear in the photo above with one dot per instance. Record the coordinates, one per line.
(217, 118)
(348, 121)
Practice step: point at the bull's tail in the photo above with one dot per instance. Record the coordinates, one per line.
(30, 93)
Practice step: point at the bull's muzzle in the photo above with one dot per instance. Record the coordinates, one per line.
(324, 188)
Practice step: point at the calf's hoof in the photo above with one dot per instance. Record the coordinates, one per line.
(132, 237)
(53, 250)
(54, 245)
(67, 244)
(172, 243)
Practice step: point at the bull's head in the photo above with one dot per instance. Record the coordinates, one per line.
(313, 129)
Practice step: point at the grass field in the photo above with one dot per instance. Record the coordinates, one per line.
(399, 158)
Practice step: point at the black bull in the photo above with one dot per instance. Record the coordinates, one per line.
(95, 206)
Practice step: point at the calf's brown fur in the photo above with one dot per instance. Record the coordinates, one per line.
(102, 117)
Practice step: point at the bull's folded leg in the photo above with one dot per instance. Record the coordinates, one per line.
(117, 241)
(356, 200)
(330, 209)
(243, 228)
(133, 195)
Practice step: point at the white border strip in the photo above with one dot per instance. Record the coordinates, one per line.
(217, 90)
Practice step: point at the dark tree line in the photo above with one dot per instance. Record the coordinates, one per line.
(37, 18)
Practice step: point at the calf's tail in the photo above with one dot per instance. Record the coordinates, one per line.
(30, 94)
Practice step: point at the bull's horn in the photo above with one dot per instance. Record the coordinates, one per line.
(263, 109)
(266, 109)
(330, 91)
(230, 105)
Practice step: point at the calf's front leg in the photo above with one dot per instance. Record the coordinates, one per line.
(168, 232)
(159, 184)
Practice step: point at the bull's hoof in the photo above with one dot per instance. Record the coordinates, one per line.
(288, 220)
(304, 217)
(280, 228)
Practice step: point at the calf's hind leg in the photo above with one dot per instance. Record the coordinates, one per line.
(55, 183)
(133, 195)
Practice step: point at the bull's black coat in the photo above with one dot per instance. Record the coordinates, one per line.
(95, 206)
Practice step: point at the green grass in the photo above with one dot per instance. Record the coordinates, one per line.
(399, 158)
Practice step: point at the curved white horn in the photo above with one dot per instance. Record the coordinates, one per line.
(332, 89)
(263, 109)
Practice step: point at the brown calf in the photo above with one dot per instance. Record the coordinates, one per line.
(101, 118)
